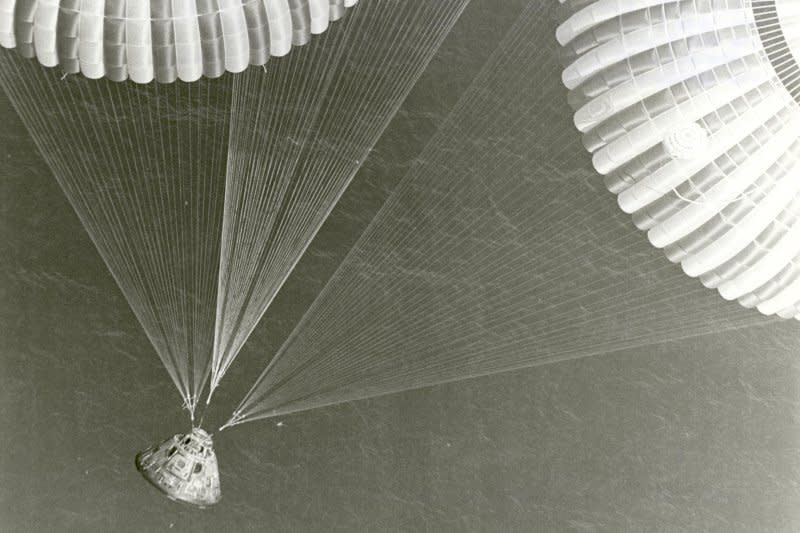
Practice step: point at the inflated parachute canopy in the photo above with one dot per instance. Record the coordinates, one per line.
(163, 40)
(690, 109)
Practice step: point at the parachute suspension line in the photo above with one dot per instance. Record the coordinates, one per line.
(313, 120)
(143, 168)
(499, 250)
(245, 221)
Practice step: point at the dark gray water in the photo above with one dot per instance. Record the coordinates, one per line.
(692, 435)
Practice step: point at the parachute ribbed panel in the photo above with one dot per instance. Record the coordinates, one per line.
(7, 23)
(90, 39)
(44, 32)
(115, 57)
(139, 41)
(301, 21)
(24, 16)
(280, 27)
(68, 35)
(211, 39)
(691, 110)
(234, 34)
(257, 31)
(295, 151)
(320, 13)
(162, 40)
(337, 10)
(144, 168)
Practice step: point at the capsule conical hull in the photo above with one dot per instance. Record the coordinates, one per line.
(184, 467)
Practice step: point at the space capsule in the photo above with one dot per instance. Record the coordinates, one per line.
(184, 467)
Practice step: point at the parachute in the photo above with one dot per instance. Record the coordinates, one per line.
(691, 111)
(146, 40)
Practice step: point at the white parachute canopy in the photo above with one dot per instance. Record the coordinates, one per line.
(692, 112)
(143, 40)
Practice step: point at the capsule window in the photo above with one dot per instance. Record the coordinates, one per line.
(198, 468)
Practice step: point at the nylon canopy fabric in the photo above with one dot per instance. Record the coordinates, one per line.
(143, 40)
(691, 111)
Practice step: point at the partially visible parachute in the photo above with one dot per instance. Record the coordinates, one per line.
(163, 40)
(201, 197)
(691, 110)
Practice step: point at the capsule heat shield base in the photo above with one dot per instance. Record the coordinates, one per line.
(184, 467)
